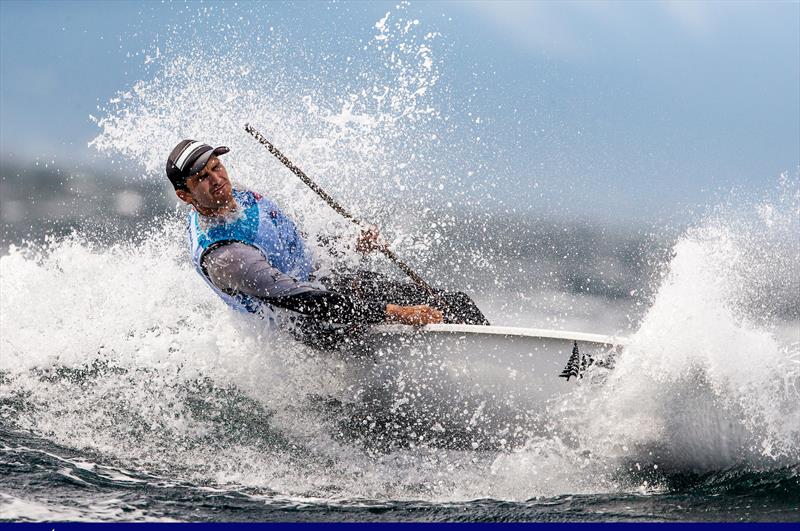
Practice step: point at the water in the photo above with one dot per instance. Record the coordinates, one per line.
(128, 392)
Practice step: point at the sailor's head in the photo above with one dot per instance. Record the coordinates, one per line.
(198, 176)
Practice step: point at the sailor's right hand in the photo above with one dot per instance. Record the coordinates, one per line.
(370, 240)
(413, 315)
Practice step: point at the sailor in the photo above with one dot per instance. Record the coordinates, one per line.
(253, 256)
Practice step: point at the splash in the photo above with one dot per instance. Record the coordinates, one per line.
(365, 126)
(710, 380)
(712, 376)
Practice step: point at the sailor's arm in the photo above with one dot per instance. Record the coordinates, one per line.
(239, 268)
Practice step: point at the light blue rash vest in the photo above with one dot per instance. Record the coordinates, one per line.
(259, 223)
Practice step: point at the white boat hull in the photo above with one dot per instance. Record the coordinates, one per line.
(503, 361)
(465, 376)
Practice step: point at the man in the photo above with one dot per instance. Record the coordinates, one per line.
(254, 258)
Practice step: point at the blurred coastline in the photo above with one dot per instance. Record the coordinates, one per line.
(38, 200)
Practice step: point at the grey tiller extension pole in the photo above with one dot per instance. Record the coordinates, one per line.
(338, 208)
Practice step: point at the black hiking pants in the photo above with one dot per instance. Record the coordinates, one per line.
(456, 306)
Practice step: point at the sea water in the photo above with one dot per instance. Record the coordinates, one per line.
(129, 392)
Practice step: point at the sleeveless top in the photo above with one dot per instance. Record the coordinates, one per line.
(260, 223)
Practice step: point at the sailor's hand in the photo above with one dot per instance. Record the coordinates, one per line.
(413, 315)
(369, 240)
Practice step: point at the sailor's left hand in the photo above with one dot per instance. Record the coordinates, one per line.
(370, 240)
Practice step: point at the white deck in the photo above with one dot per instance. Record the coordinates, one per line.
(510, 331)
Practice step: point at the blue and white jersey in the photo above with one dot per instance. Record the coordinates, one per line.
(257, 222)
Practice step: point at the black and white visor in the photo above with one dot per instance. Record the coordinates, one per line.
(189, 158)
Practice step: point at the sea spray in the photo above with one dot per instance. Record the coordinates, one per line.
(373, 137)
(708, 379)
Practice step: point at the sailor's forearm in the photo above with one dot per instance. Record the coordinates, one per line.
(333, 307)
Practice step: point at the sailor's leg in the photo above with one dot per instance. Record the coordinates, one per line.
(456, 306)
(459, 308)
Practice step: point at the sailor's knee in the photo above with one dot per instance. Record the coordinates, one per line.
(459, 297)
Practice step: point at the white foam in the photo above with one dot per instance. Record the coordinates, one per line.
(711, 378)
(17, 509)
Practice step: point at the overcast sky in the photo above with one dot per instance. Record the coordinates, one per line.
(648, 106)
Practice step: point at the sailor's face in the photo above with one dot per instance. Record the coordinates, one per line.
(210, 188)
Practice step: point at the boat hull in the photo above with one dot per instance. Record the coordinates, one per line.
(518, 366)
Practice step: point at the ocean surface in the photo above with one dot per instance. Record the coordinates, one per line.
(129, 392)
(46, 482)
